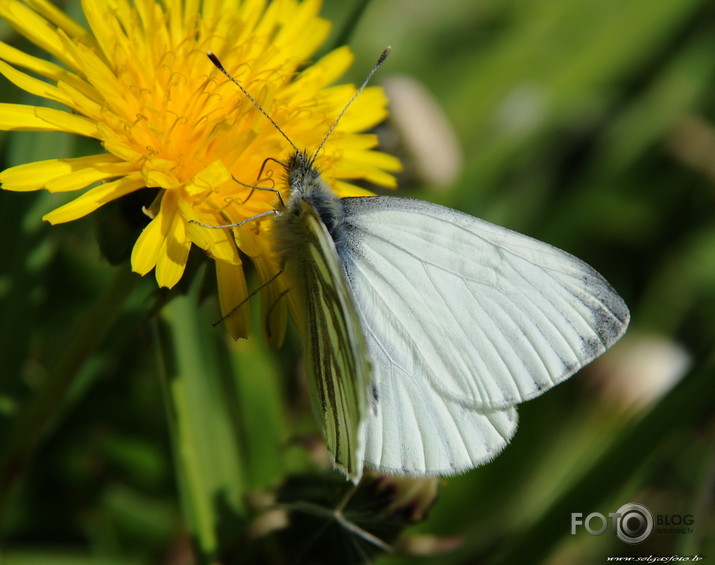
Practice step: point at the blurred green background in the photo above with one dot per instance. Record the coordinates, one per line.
(129, 426)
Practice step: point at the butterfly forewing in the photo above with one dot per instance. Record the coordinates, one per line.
(336, 350)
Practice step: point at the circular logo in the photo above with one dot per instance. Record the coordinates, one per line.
(634, 523)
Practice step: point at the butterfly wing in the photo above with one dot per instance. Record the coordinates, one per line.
(464, 319)
(414, 430)
(336, 350)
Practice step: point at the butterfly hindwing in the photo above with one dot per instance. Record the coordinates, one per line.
(412, 429)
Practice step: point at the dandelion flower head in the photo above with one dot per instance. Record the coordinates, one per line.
(168, 123)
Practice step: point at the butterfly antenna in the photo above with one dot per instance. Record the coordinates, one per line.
(214, 59)
(380, 60)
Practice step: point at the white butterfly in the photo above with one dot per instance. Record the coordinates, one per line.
(425, 327)
(460, 320)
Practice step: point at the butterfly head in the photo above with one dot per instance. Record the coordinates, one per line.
(301, 173)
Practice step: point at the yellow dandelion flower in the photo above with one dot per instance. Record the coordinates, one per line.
(138, 81)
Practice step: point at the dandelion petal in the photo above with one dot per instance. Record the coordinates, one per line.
(172, 261)
(147, 247)
(94, 198)
(72, 173)
(19, 117)
(232, 290)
